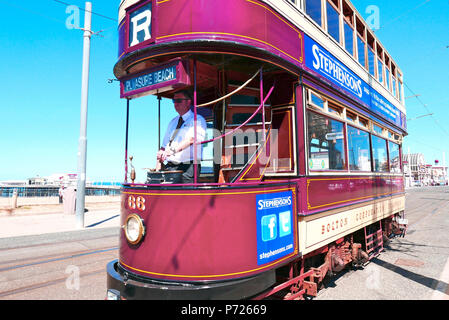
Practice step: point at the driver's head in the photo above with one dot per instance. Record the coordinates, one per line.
(182, 101)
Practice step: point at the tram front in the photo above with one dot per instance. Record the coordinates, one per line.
(203, 238)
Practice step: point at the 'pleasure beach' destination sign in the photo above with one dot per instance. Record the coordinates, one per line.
(154, 80)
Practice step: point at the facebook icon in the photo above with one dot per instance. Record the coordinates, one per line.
(269, 227)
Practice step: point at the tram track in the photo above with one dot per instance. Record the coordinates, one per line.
(47, 269)
(73, 255)
(45, 284)
(29, 246)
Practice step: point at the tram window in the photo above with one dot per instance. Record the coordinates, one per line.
(371, 62)
(380, 67)
(351, 116)
(335, 110)
(207, 162)
(380, 156)
(326, 143)
(333, 22)
(394, 86)
(313, 9)
(239, 118)
(359, 150)
(377, 129)
(387, 78)
(400, 86)
(363, 122)
(395, 163)
(349, 38)
(241, 99)
(316, 100)
(361, 51)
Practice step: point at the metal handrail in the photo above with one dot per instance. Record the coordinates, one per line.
(231, 93)
(243, 124)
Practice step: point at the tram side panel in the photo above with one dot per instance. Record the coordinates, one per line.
(197, 235)
(327, 215)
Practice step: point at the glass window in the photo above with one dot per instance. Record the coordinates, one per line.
(380, 156)
(371, 62)
(400, 90)
(333, 22)
(313, 9)
(377, 129)
(393, 85)
(358, 148)
(380, 67)
(395, 159)
(326, 143)
(387, 78)
(361, 49)
(349, 38)
(316, 100)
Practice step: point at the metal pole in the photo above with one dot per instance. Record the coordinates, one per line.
(159, 124)
(409, 168)
(126, 141)
(195, 156)
(82, 145)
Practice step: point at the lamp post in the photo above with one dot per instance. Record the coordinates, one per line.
(82, 144)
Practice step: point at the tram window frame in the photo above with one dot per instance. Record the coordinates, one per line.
(377, 129)
(371, 54)
(343, 144)
(387, 73)
(313, 97)
(380, 65)
(394, 169)
(335, 110)
(368, 140)
(331, 7)
(364, 123)
(378, 168)
(361, 41)
(348, 24)
(310, 6)
(348, 31)
(352, 117)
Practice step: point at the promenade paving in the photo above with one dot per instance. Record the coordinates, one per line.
(47, 216)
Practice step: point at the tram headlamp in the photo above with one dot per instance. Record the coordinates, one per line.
(134, 229)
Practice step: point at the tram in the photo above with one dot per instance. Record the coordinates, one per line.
(303, 175)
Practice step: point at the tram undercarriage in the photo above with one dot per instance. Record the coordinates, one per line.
(302, 279)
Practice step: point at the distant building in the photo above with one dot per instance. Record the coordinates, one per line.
(418, 173)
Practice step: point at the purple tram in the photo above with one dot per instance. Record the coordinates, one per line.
(301, 172)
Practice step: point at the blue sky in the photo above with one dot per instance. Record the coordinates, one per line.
(41, 61)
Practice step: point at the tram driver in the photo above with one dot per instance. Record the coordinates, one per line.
(177, 150)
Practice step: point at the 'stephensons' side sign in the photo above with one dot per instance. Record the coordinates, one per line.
(275, 226)
(325, 64)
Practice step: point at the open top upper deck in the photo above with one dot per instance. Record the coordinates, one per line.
(327, 39)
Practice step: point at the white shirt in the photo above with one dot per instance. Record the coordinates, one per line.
(185, 132)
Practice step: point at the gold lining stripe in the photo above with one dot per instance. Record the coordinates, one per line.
(209, 194)
(229, 34)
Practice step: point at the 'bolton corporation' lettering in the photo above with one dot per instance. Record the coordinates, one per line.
(150, 79)
(333, 69)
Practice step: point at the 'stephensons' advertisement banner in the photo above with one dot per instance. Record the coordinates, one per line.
(325, 64)
(275, 237)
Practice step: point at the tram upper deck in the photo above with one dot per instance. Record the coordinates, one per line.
(292, 35)
(217, 46)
